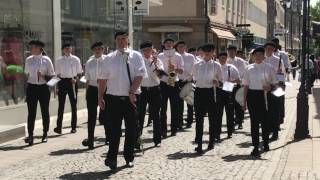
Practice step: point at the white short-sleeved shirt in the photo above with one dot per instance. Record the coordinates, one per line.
(114, 70)
(229, 72)
(205, 72)
(35, 63)
(91, 69)
(274, 61)
(284, 57)
(68, 66)
(259, 75)
(176, 60)
(188, 60)
(152, 79)
(239, 63)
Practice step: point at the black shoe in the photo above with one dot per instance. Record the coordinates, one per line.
(180, 128)
(137, 146)
(157, 144)
(29, 140)
(266, 148)
(255, 152)
(106, 141)
(240, 126)
(111, 164)
(164, 135)
(210, 146)
(88, 143)
(73, 131)
(149, 123)
(57, 130)
(274, 137)
(44, 138)
(199, 150)
(229, 136)
(129, 164)
(173, 134)
(188, 126)
(218, 139)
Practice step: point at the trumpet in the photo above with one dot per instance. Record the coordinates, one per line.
(172, 73)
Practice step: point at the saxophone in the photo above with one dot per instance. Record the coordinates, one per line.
(172, 73)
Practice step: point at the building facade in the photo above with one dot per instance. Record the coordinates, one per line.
(80, 22)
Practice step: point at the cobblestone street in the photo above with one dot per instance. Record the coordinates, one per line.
(64, 157)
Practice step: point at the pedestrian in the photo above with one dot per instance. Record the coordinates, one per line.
(188, 61)
(258, 80)
(122, 72)
(68, 69)
(241, 66)
(39, 70)
(150, 87)
(91, 68)
(230, 74)
(207, 74)
(275, 101)
(173, 65)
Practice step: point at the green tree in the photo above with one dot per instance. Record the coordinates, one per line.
(315, 16)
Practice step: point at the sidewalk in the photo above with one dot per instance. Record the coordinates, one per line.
(64, 157)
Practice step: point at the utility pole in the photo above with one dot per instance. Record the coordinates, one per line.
(130, 22)
(271, 18)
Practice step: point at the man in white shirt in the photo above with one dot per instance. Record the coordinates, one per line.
(68, 68)
(92, 90)
(280, 71)
(241, 65)
(187, 77)
(230, 74)
(39, 70)
(173, 66)
(150, 87)
(287, 65)
(121, 73)
(208, 76)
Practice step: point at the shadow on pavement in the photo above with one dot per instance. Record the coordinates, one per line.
(14, 148)
(240, 157)
(245, 144)
(92, 175)
(71, 151)
(182, 155)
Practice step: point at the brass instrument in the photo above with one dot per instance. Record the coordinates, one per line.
(159, 71)
(172, 73)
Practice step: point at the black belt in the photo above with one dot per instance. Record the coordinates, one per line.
(37, 85)
(149, 88)
(118, 97)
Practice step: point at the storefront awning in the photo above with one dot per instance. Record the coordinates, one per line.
(223, 34)
(170, 28)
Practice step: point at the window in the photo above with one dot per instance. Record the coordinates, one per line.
(213, 7)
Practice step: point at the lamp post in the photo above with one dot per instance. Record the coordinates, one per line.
(286, 4)
(302, 130)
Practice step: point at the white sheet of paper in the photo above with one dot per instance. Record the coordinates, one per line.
(278, 92)
(228, 86)
(280, 77)
(83, 79)
(54, 81)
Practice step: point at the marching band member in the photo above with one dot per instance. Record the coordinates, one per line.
(207, 74)
(121, 72)
(39, 70)
(173, 65)
(229, 74)
(287, 65)
(150, 87)
(92, 90)
(241, 65)
(279, 69)
(68, 68)
(258, 81)
(188, 61)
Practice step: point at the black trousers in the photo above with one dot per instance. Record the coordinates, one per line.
(238, 108)
(92, 105)
(259, 115)
(65, 87)
(151, 96)
(118, 108)
(226, 103)
(204, 103)
(282, 109)
(181, 108)
(34, 94)
(171, 93)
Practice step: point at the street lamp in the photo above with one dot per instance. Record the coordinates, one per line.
(302, 130)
